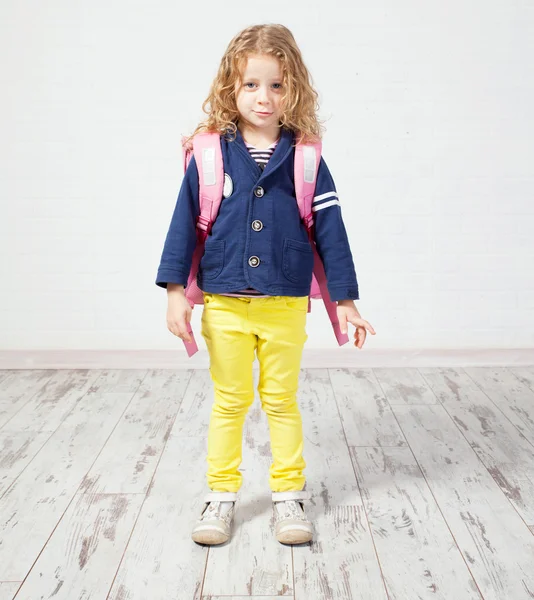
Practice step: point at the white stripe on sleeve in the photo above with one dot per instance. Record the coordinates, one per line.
(331, 194)
(325, 205)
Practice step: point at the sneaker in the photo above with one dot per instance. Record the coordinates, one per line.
(292, 526)
(215, 522)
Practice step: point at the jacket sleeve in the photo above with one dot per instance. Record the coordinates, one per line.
(181, 239)
(331, 238)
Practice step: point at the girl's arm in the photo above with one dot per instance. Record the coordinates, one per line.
(331, 239)
(180, 242)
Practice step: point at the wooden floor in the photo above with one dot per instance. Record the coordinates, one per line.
(422, 485)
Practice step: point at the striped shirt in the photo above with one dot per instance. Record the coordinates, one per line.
(262, 158)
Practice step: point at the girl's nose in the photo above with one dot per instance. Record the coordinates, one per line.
(263, 95)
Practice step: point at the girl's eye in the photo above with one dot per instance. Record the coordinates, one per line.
(250, 85)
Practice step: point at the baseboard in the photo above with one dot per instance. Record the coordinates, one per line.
(312, 358)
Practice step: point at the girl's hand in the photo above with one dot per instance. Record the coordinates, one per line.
(348, 313)
(178, 315)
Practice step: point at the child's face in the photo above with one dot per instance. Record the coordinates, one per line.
(259, 93)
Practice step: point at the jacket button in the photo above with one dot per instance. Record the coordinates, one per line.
(259, 191)
(257, 225)
(253, 261)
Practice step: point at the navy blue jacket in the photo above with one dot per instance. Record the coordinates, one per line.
(258, 239)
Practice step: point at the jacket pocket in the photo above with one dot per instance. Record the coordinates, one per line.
(212, 261)
(297, 262)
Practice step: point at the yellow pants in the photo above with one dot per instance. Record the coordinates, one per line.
(275, 329)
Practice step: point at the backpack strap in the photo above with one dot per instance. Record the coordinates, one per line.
(206, 149)
(307, 159)
(208, 157)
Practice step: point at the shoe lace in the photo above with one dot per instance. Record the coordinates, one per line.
(292, 510)
(214, 511)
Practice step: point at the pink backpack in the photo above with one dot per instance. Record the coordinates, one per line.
(206, 148)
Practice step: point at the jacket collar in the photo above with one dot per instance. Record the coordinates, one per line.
(281, 152)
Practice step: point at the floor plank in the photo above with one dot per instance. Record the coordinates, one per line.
(525, 374)
(120, 381)
(410, 534)
(17, 388)
(341, 562)
(194, 413)
(161, 559)
(17, 450)
(508, 456)
(404, 386)
(164, 526)
(23, 383)
(126, 464)
(53, 402)
(8, 589)
(366, 415)
(492, 537)
(108, 428)
(511, 395)
(46, 410)
(83, 554)
(34, 504)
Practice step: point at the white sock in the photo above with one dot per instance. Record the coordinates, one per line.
(226, 506)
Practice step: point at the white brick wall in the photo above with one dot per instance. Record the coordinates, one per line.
(430, 140)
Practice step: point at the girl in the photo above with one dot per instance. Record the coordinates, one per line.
(257, 269)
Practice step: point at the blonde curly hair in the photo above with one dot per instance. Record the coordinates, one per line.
(299, 99)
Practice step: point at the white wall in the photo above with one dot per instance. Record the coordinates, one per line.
(430, 140)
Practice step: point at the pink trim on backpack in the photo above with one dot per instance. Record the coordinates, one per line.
(210, 198)
(305, 191)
